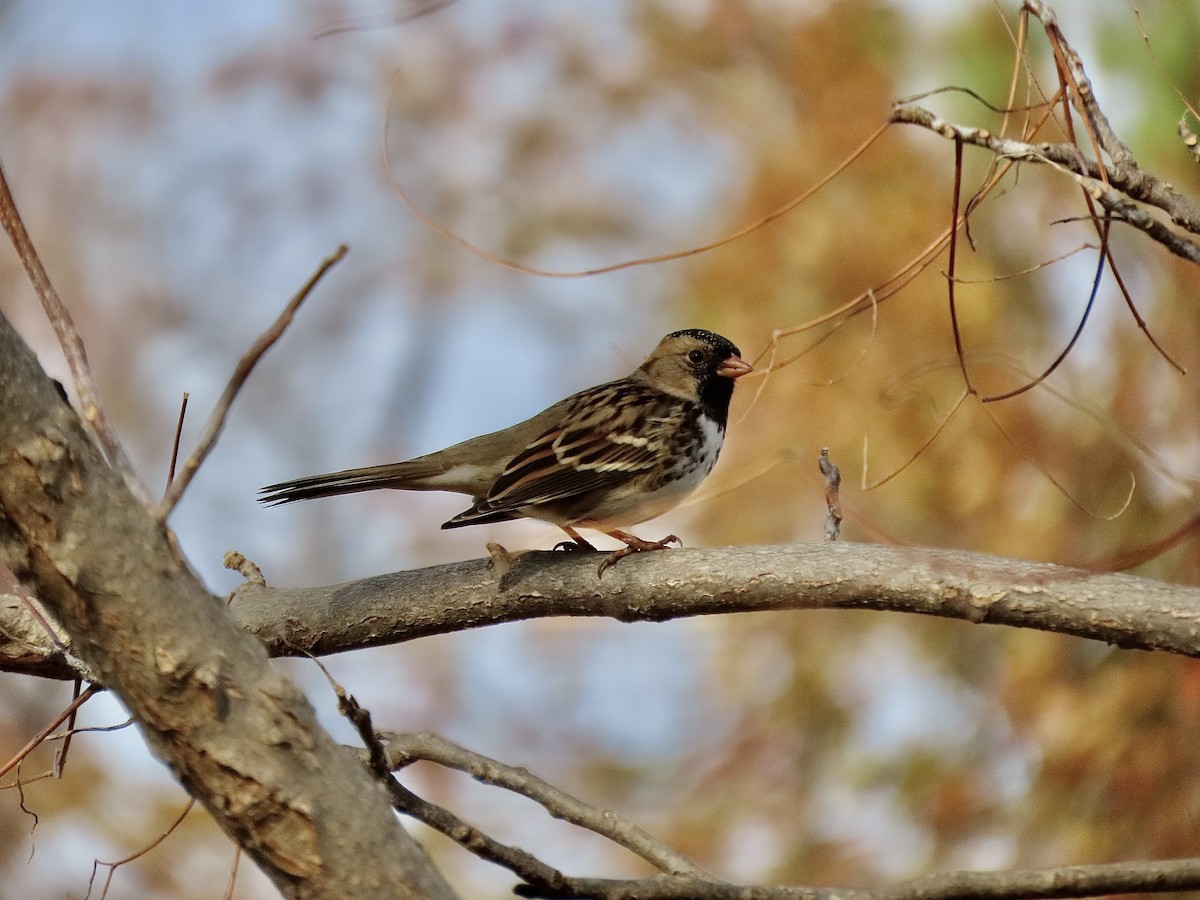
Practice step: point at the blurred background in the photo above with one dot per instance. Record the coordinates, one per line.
(183, 168)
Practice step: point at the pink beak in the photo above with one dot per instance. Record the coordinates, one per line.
(734, 367)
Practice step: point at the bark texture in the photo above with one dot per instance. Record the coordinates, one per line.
(1125, 610)
(238, 735)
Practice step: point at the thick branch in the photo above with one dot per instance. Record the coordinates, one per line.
(1121, 609)
(238, 735)
(387, 609)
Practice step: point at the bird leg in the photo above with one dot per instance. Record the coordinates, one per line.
(575, 543)
(633, 544)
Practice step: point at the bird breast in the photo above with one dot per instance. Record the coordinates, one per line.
(693, 459)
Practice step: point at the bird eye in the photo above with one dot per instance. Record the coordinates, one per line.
(696, 356)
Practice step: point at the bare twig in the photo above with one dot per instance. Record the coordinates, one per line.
(248, 569)
(69, 339)
(404, 749)
(1121, 208)
(912, 457)
(1190, 141)
(60, 755)
(178, 434)
(1082, 93)
(90, 729)
(1030, 384)
(1088, 174)
(1137, 316)
(233, 872)
(523, 864)
(37, 739)
(117, 863)
(1074, 84)
(953, 251)
(245, 365)
(438, 228)
(1136, 556)
(363, 23)
(1121, 173)
(833, 503)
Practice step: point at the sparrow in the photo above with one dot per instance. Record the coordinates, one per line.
(607, 457)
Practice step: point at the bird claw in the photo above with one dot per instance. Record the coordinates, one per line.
(636, 545)
(574, 546)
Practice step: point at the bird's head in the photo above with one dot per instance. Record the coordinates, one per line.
(697, 365)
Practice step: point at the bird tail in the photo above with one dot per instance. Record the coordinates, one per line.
(413, 475)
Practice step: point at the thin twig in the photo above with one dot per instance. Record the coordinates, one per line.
(60, 755)
(69, 339)
(83, 698)
(178, 434)
(233, 871)
(438, 228)
(1190, 141)
(833, 504)
(1087, 173)
(1101, 259)
(866, 485)
(1136, 556)
(1097, 122)
(524, 865)
(951, 267)
(116, 864)
(1062, 488)
(1137, 316)
(245, 365)
(363, 23)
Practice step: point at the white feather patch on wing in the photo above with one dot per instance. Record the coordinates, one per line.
(632, 439)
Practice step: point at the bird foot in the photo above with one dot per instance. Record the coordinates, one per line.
(634, 545)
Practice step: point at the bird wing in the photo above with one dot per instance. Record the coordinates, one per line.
(610, 434)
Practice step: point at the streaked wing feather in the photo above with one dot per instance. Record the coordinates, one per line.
(590, 450)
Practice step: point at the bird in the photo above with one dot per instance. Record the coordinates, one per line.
(606, 458)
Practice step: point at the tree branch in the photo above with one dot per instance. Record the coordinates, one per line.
(525, 865)
(385, 609)
(1133, 183)
(405, 749)
(1125, 610)
(68, 338)
(245, 365)
(1022, 884)
(238, 735)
